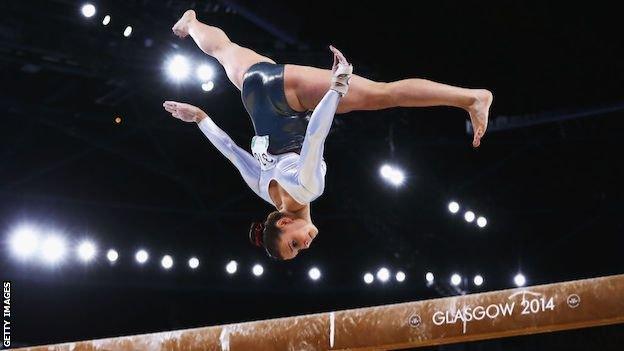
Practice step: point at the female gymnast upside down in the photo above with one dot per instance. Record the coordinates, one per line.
(287, 169)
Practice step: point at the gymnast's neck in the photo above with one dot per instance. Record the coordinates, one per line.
(286, 204)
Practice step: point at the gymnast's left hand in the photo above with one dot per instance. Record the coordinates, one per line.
(339, 58)
(184, 112)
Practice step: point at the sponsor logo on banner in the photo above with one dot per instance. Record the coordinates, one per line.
(520, 303)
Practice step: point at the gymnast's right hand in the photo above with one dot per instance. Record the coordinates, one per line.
(185, 112)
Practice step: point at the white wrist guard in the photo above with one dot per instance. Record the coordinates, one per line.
(340, 78)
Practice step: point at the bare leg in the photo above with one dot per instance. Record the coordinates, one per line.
(305, 86)
(213, 41)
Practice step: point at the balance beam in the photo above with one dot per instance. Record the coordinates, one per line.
(489, 315)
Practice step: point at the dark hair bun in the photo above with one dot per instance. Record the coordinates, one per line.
(255, 233)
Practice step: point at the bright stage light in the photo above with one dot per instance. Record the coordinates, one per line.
(86, 251)
(53, 249)
(383, 274)
(207, 86)
(400, 277)
(469, 216)
(455, 279)
(106, 20)
(24, 241)
(385, 171)
(166, 262)
(88, 10)
(112, 255)
(257, 270)
(519, 279)
(397, 178)
(453, 207)
(392, 174)
(205, 72)
(314, 273)
(232, 267)
(368, 278)
(429, 277)
(178, 67)
(141, 256)
(478, 280)
(127, 31)
(193, 262)
(481, 222)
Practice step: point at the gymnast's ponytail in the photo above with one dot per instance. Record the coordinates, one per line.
(266, 234)
(256, 234)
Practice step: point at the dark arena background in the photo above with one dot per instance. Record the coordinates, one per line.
(90, 162)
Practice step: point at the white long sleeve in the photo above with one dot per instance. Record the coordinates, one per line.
(311, 157)
(242, 160)
(301, 175)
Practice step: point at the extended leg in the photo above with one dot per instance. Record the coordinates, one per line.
(213, 41)
(305, 86)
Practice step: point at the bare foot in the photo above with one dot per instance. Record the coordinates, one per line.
(181, 28)
(479, 112)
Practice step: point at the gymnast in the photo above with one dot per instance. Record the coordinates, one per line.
(292, 108)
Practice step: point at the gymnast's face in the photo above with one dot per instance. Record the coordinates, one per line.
(297, 234)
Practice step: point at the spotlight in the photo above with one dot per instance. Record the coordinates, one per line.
(86, 251)
(393, 175)
(453, 207)
(455, 279)
(400, 277)
(88, 10)
(207, 86)
(205, 72)
(397, 178)
(469, 216)
(383, 274)
(478, 280)
(53, 249)
(117, 120)
(141, 256)
(368, 278)
(193, 262)
(257, 270)
(106, 20)
(166, 262)
(127, 31)
(481, 222)
(519, 279)
(429, 277)
(24, 241)
(314, 273)
(385, 171)
(178, 67)
(232, 267)
(112, 255)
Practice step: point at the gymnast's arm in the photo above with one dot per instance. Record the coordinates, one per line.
(242, 160)
(311, 155)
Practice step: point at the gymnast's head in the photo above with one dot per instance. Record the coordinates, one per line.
(282, 236)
